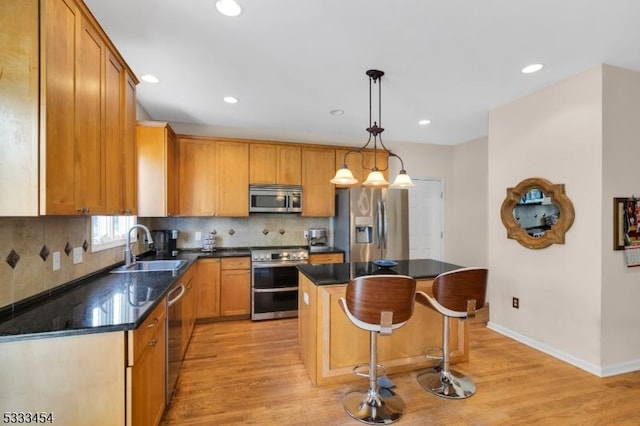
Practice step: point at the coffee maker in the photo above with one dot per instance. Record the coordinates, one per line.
(317, 238)
(166, 242)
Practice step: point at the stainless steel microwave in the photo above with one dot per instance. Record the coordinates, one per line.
(275, 198)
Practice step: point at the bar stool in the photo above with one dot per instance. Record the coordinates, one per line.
(456, 294)
(378, 304)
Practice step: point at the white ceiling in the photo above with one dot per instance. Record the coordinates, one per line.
(290, 62)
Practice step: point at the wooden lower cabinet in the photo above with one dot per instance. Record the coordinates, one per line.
(189, 306)
(319, 258)
(224, 288)
(235, 286)
(146, 370)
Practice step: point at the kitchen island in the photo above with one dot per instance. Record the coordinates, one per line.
(330, 346)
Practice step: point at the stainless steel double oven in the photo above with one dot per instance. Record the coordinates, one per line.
(274, 281)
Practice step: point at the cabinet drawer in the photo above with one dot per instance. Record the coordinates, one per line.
(142, 336)
(326, 258)
(235, 263)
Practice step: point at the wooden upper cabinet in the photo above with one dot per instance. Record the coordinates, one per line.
(232, 178)
(318, 167)
(130, 163)
(156, 166)
(196, 177)
(83, 129)
(214, 177)
(274, 164)
(57, 182)
(355, 163)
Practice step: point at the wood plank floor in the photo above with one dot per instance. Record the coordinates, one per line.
(246, 373)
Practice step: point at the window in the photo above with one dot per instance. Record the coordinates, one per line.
(111, 231)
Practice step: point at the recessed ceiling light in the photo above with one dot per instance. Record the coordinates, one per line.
(228, 7)
(150, 78)
(230, 100)
(336, 112)
(529, 69)
(424, 122)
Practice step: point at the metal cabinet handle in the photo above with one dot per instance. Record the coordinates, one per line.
(153, 342)
(154, 323)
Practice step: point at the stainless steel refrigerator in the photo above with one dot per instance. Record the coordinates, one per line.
(372, 224)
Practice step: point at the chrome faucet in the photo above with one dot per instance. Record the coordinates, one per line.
(129, 258)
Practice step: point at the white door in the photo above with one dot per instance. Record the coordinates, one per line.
(426, 227)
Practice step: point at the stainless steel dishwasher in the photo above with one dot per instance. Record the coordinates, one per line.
(174, 337)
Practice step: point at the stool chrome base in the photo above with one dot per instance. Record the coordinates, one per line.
(451, 384)
(372, 407)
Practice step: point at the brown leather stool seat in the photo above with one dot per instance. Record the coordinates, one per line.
(378, 304)
(456, 294)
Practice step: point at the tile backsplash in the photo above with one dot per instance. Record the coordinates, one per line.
(255, 230)
(30, 242)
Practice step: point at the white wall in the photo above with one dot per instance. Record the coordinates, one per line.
(556, 134)
(620, 285)
(578, 301)
(467, 216)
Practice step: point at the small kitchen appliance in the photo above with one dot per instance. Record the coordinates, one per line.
(317, 238)
(166, 242)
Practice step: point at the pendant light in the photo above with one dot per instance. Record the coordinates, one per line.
(344, 176)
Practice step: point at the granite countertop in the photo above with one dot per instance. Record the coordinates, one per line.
(341, 273)
(100, 302)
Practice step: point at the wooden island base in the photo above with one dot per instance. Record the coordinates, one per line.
(330, 346)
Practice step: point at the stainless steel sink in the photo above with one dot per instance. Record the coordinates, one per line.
(151, 266)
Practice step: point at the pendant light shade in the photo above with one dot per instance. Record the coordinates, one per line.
(402, 181)
(344, 177)
(376, 178)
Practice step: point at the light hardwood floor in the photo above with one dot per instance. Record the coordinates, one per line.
(241, 373)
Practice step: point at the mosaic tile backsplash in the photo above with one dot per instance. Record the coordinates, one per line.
(27, 245)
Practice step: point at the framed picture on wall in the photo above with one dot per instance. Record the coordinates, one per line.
(626, 232)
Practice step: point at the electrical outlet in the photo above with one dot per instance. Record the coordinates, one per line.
(515, 303)
(77, 255)
(306, 235)
(198, 236)
(56, 260)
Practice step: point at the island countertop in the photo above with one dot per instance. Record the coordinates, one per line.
(341, 273)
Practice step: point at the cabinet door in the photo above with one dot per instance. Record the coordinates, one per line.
(289, 165)
(263, 161)
(196, 177)
(320, 258)
(235, 292)
(156, 149)
(208, 288)
(318, 167)
(232, 178)
(149, 381)
(89, 164)
(57, 186)
(130, 199)
(114, 132)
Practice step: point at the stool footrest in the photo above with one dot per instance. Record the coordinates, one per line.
(362, 370)
(433, 353)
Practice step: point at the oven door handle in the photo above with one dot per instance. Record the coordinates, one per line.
(274, 290)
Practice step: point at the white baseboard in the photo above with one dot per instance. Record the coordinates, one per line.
(600, 371)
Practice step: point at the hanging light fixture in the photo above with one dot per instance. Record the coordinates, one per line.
(344, 176)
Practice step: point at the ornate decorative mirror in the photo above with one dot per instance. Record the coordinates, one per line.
(537, 213)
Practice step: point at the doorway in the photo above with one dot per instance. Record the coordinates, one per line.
(426, 228)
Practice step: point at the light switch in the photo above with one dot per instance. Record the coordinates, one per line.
(77, 255)
(56, 260)
(198, 236)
